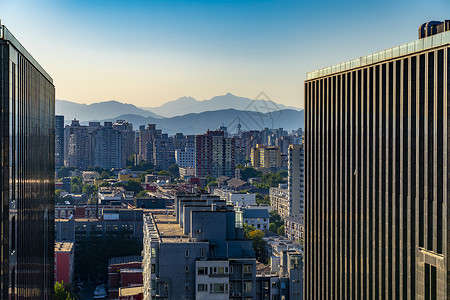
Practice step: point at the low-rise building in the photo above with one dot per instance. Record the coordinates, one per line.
(66, 211)
(90, 176)
(285, 278)
(64, 261)
(124, 272)
(237, 184)
(259, 218)
(186, 172)
(234, 198)
(128, 222)
(196, 252)
(108, 194)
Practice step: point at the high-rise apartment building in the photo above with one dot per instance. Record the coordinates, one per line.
(296, 157)
(27, 141)
(146, 137)
(59, 142)
(163, 151)
(79, 145)
(215, 154)
(266, 157)
(377, 173)
(185, 158)
(108, 147)
(128, 139)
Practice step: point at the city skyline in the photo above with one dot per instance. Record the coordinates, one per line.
(148, 53)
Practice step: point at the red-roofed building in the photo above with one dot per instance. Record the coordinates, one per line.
(124, 272)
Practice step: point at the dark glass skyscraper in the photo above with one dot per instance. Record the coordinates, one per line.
(377, 175)
(27, 125)
(59, 142)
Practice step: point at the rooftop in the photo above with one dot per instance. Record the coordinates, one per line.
(430, 42)
(130, 291)
(63, 246)
(256, 213)
(168, 228)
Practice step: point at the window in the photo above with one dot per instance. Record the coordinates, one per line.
(186, 252)
(220, 270)
(283, 285)
(218, 288)
(166, 286)
(186, 269)
(247, 269)
(186, 286)
(202, 271)
(153, 268)
(247, 286)
(231, 269)
(153, 252)
(202, 287)
(202, 252)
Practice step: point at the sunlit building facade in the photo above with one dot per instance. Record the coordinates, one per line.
(377, 138)
(27, 163)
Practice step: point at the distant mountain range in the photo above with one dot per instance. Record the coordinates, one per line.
(186, 105)
(288, 119)
(190, 116)
(98, 111)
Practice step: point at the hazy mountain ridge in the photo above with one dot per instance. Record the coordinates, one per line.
(185, 105)
(98, 111)
(198, 123)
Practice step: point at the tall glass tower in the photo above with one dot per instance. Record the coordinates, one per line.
(377, 173)
(27, 165)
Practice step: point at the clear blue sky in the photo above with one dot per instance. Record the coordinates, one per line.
(150, 52)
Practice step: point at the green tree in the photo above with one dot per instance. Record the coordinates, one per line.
(64, 171)
(163, 173)
(272, 179)
(283, 173)
(259, 245)
(76, 189)
(105, 175)
(89, 190)
(104, 184)
(174, 171)
(63, 291)
(143, 166)
(133, 186)
(248, 229)
(273, 227)
(249, 172)
(262, 200)
(212, 183)
(281, 230)
(76, 184)
(209, 178)
(276, 218)
(142, 194)
(131, 161)
(58, 196)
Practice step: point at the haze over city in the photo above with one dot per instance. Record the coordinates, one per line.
(150, 52)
